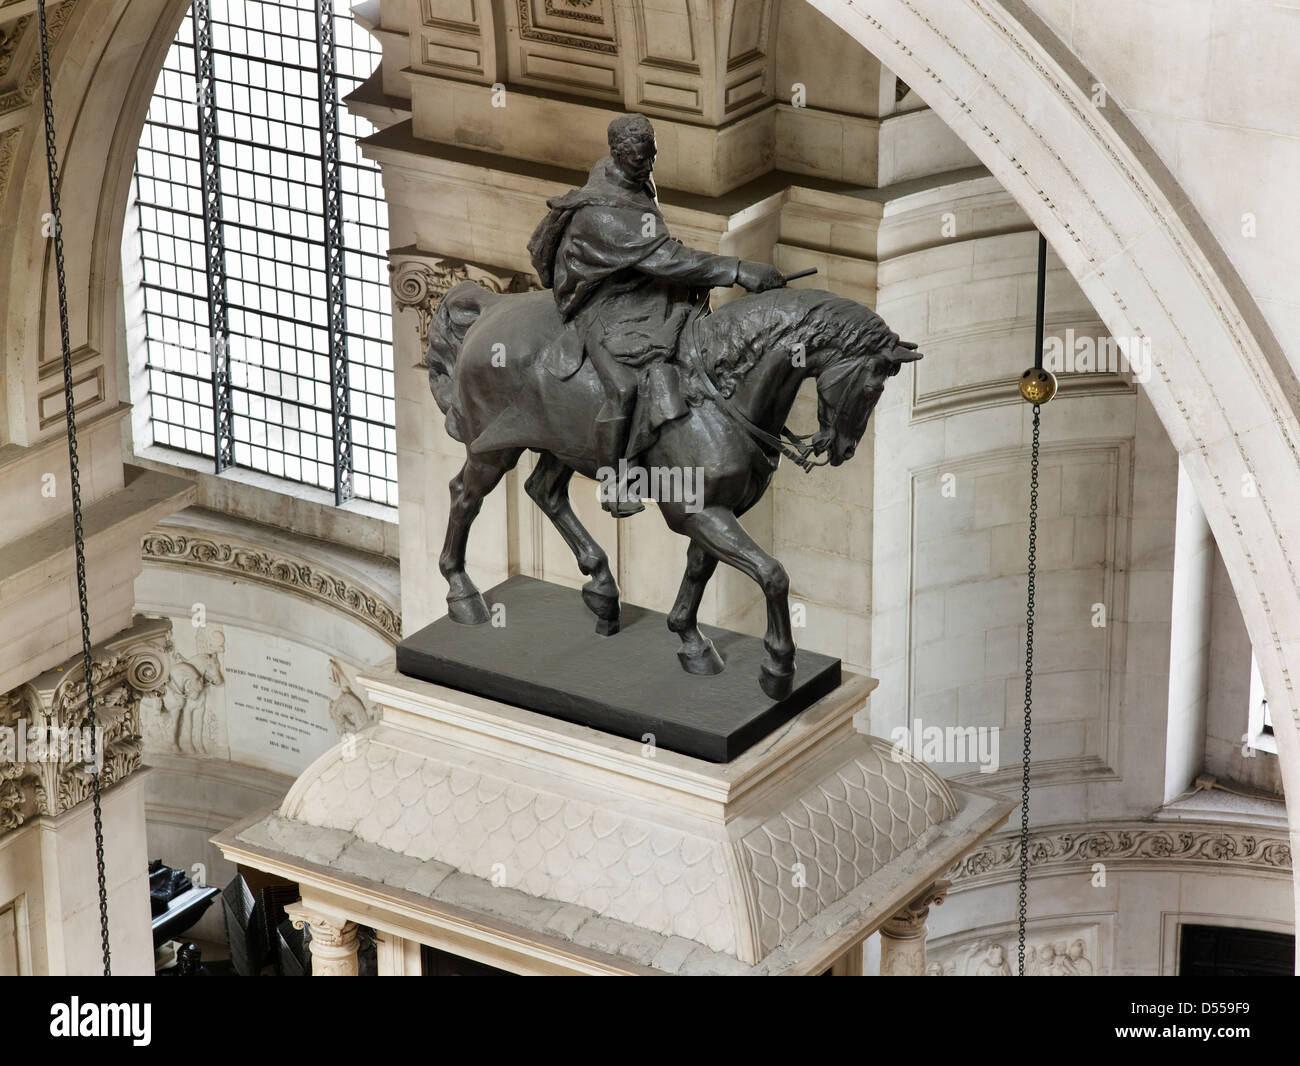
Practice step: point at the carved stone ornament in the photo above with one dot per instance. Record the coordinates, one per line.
(739, 887)
(249, 563)
(420, 282)
(45, 745)
(11, 36)
(1151, 845)
(333, 941)
(20, 64)
(909, 922)
(603, 38)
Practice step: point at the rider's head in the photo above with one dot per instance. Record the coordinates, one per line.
(632, 144)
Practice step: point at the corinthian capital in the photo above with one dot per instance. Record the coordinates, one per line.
(48, 747)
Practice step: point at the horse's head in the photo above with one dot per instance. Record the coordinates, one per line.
(860, 354)
(847, 347)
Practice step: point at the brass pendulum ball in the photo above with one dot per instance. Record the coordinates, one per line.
(1037, 385)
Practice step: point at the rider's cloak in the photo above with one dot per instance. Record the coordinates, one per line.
(605, 252)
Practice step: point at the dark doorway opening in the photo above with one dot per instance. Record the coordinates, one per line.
(1222, 951)
(436, 963)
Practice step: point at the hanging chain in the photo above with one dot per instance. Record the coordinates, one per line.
(1029, 692)
(78, 534)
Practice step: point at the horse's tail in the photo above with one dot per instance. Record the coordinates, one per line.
(457, 311)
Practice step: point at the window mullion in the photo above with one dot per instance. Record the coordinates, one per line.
(213, 238)
(335, 276)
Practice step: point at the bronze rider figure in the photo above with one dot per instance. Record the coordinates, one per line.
(623, 285)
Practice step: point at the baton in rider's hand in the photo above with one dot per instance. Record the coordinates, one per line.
(799, 274)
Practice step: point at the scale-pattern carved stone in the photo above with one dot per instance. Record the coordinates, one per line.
(850, 824)
(744, 860)
(523, 838)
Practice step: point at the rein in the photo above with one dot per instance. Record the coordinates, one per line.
(799, 448)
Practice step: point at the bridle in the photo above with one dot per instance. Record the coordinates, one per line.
(799, 448)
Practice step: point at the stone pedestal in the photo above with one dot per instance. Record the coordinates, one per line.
(537, 845)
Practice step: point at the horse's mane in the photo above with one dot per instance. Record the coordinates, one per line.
(738, 333)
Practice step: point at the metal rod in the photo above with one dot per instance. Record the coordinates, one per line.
(800, 274)
(1042, 301)
(335, 272)
(214, 242)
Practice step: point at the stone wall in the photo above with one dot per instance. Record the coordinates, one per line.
(269, 634)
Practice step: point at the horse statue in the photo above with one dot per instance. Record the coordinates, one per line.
(737, 368)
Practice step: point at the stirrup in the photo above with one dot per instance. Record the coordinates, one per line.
(620, 504)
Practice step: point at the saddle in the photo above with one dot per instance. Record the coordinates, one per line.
(654, 357)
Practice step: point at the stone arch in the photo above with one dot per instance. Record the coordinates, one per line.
(1223, 388)
(105, 62)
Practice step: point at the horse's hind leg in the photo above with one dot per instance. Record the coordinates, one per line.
(477, 478)
(697, 653)
(549, 488)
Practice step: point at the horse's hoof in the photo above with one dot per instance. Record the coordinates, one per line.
(468, 610)
(606, 628)
(703, 661)
(776, 686)
(604, 607)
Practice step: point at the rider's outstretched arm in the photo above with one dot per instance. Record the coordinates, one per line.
(674, 261)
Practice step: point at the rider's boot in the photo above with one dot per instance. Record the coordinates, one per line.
(616, 494)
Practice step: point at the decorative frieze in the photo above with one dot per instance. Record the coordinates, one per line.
(1148, 845)
(276, 569)
(45, 744)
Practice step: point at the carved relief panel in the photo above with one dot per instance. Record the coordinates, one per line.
(1053, 948)
(565, 45)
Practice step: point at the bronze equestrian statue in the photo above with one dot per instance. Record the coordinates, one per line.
(620, 358)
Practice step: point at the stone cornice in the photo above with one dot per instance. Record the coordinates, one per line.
(1146, 845)
(276, 569)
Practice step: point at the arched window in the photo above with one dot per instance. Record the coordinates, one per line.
(262, 237)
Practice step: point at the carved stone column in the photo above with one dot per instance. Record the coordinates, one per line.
(48, 755)
(333, 940)
(902, 937)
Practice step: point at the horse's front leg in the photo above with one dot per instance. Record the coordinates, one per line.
(548, 487)
(697, 653)
(720, 533)
(477, 478)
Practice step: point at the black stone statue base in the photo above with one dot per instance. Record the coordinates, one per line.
(546, 657)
